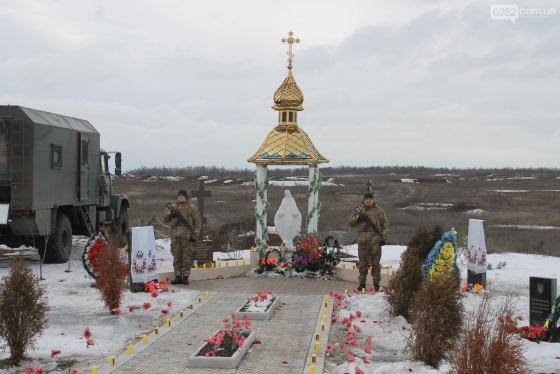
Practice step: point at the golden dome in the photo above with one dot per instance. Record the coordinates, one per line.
(288, 145)
(288, 96)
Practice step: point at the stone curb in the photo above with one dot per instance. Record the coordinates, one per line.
(124, 357)
(323, 338)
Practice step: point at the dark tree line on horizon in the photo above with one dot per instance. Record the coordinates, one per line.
(222, 172)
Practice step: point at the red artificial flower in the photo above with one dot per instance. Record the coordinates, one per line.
(330, 347)
(164, 312)
(367, 349)
(169, 304)
(55, 352)
(359, 371)
(90, 342)
(40, 371)
(368, 340)
(351, 358)
(131, 308)
(116, 310)
(73, 371)
(87, 333)
(359, 314)
(210, 354)
(366, 361)
(225, 320)
(29, 369)
(146, 306)
(154, 294)
(356, 290)
(167, 279)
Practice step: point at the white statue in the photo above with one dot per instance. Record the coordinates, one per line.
(288, 220)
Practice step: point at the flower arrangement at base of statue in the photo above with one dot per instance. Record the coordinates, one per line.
(299, 264)
(95, 245)
(284, 268)
(312, 247)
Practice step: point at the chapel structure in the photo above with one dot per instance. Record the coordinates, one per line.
(287, 144)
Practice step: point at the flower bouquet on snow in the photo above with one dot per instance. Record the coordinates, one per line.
(299, 264)
(258, 303)
(96, 244)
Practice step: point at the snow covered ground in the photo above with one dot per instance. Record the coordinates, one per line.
(75, 305)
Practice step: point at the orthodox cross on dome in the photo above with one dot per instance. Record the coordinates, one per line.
(290, 40)
(200, 194)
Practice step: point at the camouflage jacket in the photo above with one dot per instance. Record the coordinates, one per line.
(191, 214)
(377, 216)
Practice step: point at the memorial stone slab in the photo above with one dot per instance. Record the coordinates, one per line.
(542, 293)
(200, 194)
(202, 252)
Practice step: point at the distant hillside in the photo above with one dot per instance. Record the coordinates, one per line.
(222, 172)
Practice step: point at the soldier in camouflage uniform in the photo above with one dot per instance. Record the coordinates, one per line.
(369, 242)
(181, 236)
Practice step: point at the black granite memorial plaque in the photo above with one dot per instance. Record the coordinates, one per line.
(474, 278)
(202, 252)
(542, 292)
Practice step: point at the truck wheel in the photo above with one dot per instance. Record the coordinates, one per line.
(121, 226)
(59, 246)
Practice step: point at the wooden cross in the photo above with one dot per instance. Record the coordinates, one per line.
(200, 194)
(369, 186)
(290, 40)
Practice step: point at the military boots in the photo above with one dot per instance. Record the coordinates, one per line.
(177, 280)
(186, 280)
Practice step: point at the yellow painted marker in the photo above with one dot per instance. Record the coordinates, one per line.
(326, 304)
(343, 265)
(168, 322)
(207, 294)
(191, 306)
(212, 265)
(130, 349)
(312, 369)
(220, 264)
(326, 298)
(252, 248)
(346, 292)
(322, 326)
(243, 262)
(111, 361)
(317, 346)
(325, 311)
(157, 330)
(236, 263)
(94, 370)
(324, 318)
(363, 290)
(313, 357)
(353, 267)
(316, 336)
(227, 263)
(182, 313)
(200, 299)
(386, 271)
(145, 338)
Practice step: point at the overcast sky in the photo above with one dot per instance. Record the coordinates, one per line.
(184, 83)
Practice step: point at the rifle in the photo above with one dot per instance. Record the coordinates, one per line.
(181, 219)
(372, 225)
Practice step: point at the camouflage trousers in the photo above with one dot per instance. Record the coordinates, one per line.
(181, 249)
(369, 250)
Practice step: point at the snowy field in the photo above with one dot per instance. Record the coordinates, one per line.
(75, 305)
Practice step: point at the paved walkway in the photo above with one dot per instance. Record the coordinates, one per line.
(287, 339)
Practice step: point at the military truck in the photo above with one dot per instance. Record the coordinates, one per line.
(55, 182)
